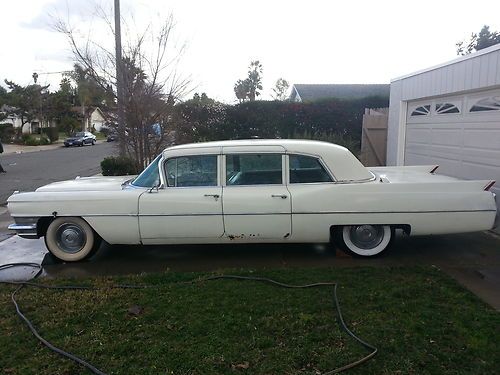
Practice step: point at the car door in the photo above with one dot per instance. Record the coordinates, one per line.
(256, 201)
(188, 207)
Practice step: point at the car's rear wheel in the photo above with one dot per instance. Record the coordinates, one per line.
(364, 240)
(71, 239)
(93, 142)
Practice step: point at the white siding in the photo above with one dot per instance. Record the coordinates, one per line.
(469, 73)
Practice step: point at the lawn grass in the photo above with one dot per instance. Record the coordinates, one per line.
(421, 321)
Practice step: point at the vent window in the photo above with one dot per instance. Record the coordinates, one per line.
(487, 104)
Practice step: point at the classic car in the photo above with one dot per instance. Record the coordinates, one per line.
(80, 139)
(252, 191)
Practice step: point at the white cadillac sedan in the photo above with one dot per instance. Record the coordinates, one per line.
(252, 191)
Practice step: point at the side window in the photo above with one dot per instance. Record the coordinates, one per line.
(254, 169)
(307, 169)
(185, 171)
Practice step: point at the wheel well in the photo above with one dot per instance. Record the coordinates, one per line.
(43, 224)
(406, 228)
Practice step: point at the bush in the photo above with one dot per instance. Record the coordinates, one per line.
(29, 140)
(105, 131)
(44, 140)
(7, 133)
(51, 133)
(118, 166)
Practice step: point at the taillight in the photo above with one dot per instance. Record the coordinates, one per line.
(490, 184)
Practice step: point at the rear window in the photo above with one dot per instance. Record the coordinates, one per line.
(307, 169)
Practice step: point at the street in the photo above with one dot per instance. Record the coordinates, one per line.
(28, 171)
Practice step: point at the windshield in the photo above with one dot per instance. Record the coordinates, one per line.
(79, 134)
(150, 176)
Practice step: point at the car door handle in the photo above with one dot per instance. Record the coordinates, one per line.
(216, 196)
(282, 196)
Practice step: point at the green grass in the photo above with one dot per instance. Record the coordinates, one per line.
(421, 321)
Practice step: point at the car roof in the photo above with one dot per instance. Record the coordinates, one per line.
(341, 162)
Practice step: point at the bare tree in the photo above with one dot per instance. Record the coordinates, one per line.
(152, 82)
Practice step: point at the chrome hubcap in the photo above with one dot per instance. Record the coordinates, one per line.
(366, 236)
(70, 238)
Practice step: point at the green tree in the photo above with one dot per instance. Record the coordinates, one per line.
(250, 87)
(3, 101)
(27, 103)
(280, 89)
(484, 39)
(61, 102)
(241, 89)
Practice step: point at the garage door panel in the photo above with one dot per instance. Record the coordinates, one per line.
(419, 135)
(477, 171)
(484, 138)
(446, 136)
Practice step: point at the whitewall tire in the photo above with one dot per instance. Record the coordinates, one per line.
(71, 239)
(365, 240)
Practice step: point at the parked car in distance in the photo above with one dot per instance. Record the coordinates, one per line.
(112, 136)
(80, 139)
(252, 191)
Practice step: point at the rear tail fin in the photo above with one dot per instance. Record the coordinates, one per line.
(489, 185)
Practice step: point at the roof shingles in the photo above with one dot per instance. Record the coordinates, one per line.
(312, 92)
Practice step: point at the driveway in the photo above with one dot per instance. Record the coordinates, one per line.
(472, 259)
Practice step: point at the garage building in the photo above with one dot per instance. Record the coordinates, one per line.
(449, 115)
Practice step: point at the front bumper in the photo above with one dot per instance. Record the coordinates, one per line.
(496, 224)
(73, 143)
(25, 227)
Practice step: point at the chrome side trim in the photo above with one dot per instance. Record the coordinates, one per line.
(275, 213)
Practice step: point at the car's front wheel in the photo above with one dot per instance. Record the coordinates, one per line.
(71, 239)
(364, 240)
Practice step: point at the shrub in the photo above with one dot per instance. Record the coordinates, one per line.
(7, 133)
(118, 166)
(51, 133)
(29, 140)
(105, 131)
(44, 140)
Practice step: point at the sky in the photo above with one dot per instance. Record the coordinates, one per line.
(315, 41)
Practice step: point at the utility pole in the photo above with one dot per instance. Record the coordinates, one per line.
(119, 80)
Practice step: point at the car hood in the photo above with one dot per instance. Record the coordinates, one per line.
(87, 184)
(74, 139)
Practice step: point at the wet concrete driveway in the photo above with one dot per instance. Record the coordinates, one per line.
(472, 259)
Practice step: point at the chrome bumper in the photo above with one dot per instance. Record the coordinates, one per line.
(496, 224)
(25, 230)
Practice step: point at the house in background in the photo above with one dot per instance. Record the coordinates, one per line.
(449, 115)
(93, 117)
(30, 127)
(313, 92)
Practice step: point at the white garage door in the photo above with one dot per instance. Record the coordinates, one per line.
(460, 133)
